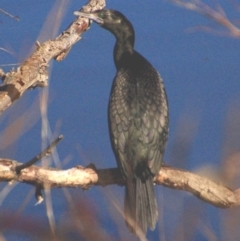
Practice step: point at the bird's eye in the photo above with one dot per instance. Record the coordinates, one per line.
(101, 15)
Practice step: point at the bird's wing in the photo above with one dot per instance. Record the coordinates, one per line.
(120, 114)
(138, 120)
(153, 109)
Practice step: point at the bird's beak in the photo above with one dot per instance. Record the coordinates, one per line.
(92, 16)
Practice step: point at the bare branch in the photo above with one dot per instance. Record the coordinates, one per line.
(5, 50)
(205, 189)
(33, 72)
(9, 15)
(44, 153)
(202, 187)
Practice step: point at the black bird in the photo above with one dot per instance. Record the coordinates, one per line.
(138, 121)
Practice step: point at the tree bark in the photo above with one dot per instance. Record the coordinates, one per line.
(33, 72)
(86, 177)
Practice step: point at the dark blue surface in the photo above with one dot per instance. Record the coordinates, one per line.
(201, 74)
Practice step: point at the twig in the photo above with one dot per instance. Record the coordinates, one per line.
(44, 153)
(4, 65)
(9, 15)
(38, 194)
(7, 51)
(2, 74)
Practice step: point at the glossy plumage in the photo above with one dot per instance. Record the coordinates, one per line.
(138, 121)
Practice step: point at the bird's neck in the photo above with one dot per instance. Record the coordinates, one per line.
(124, 47)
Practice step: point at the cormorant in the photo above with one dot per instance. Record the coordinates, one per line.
(138, 121)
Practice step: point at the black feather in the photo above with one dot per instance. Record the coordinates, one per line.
(138, 121)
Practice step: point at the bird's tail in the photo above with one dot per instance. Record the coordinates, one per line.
(141, 210)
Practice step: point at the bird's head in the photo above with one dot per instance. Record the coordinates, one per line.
(106, 18)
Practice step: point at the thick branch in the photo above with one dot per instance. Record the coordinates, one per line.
(205, 189)
(33, 72)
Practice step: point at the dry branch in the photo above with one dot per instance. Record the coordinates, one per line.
(205, 189)
(33, 72)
